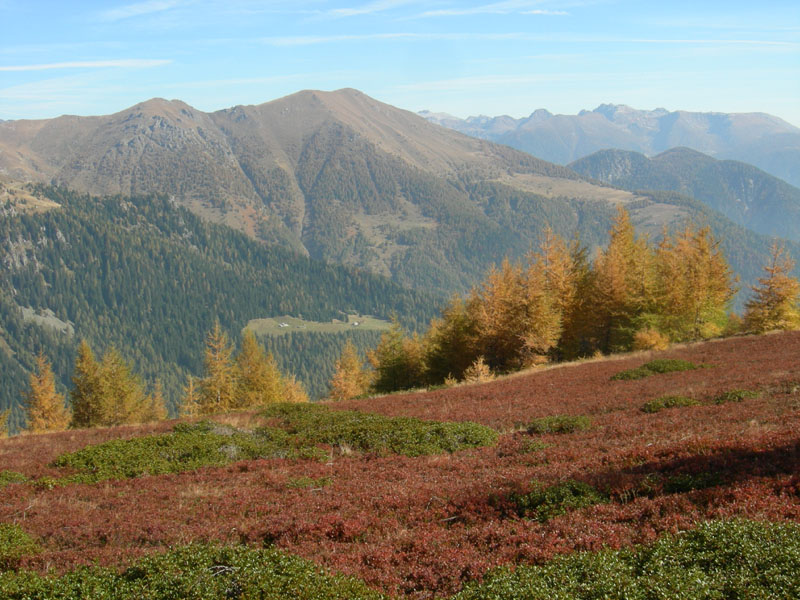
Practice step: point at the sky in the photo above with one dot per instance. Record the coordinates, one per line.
(464, 58)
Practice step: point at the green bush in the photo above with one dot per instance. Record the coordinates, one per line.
(653, 406)
(366, 432)
(743, 560)
(560, 424)
(684, 482)
(8, 477)
(735, 396)
(656, 367)
(199, 572)
(15, 544)
(301, 429)
(545, 502)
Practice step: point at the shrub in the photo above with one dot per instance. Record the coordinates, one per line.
(653, 406)
(8, 477)
(650, 339)
(655, 367)
(15, 544)
(199, 572)
(719, 559)
(560, 424)
(545, 502)
(314, 424)
(686, 482)
(735, 396)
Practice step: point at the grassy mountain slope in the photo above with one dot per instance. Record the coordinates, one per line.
(741, 192)
(151, 277)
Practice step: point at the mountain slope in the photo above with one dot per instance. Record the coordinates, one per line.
(151, 278)
(762, 140)
(741, 192)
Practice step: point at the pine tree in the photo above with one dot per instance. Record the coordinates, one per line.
(451, 342)
(350, 378)
(259, 378)
(398, 361)
(218, 386)
(774, 304)
(44, 406)
(87, 407)
(4, 423)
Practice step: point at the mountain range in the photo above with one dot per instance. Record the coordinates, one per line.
(743, 193)
(763, 140)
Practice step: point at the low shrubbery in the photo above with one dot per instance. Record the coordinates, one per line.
(14, 545)
(300, 430)
(653, 406)
(559, 424)
(199, 572)
(7, 477)
(545, 502)
(721, 559)
(735, 396)
(656, 367)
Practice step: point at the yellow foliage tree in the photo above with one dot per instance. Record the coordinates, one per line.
(155, 408)
(87, 408)
(44, 406)
(121, 392)
(219, 385)
(190, 403)
(774, 304)
(293, 391)
(259, 380)
(350, 378)
(4, 423)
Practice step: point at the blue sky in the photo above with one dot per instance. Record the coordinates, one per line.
(465, 58)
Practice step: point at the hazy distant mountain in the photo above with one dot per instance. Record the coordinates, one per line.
(347, 179)
(746, 195)
(756, 138)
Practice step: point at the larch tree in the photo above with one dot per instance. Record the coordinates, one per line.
(87, 408)
(121, 392)
(292, 390)
(259, 380)
(451, 343)
(695, 285)
(350, 378)
(190, 402)
(398, 361)
(624, 284)
(774, 304)
(44, 406)
(155, 408)
(4, 423)
(219, 385)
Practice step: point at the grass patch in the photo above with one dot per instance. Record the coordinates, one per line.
(719, 559)
(9, 477)
(199, 572)
(653, 406)
(560, 424)
(545, 502)
(656, 367)
(735, 396)
(277, 326)
(15, 544)
(299, 432)
(313, 424)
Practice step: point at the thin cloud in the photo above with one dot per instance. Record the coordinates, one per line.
(136, 63)
(370, 8)
(551, 13)
(495, 8)
(139, 9)
(310, 40)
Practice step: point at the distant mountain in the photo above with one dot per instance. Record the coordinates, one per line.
(746, 195)
(345, 179)
(762, 140)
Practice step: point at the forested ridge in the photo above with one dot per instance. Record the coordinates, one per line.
(150, 278)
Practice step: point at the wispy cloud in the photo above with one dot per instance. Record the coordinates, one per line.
(371, 7)
(310, 40)
(496, 8)
(137, 63)
(139, 9)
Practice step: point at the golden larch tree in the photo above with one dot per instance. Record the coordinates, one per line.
(259, 378)
(218, 386)
(350, 378)
(43, 405)
(85, 394)
(121, 392)
(190, 402)
(155, 408)
(774, 304)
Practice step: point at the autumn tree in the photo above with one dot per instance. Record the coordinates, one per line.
(451, 342)
(624, 284)
(350, 378)
(398, 361)
(695, 285)
(190, 402)
(4, 423)
(259, 380)
(87, 409)
(219, 385)
(121, 392)
(774, 304)
(292, 390)
(44, 406)
(155, 408)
